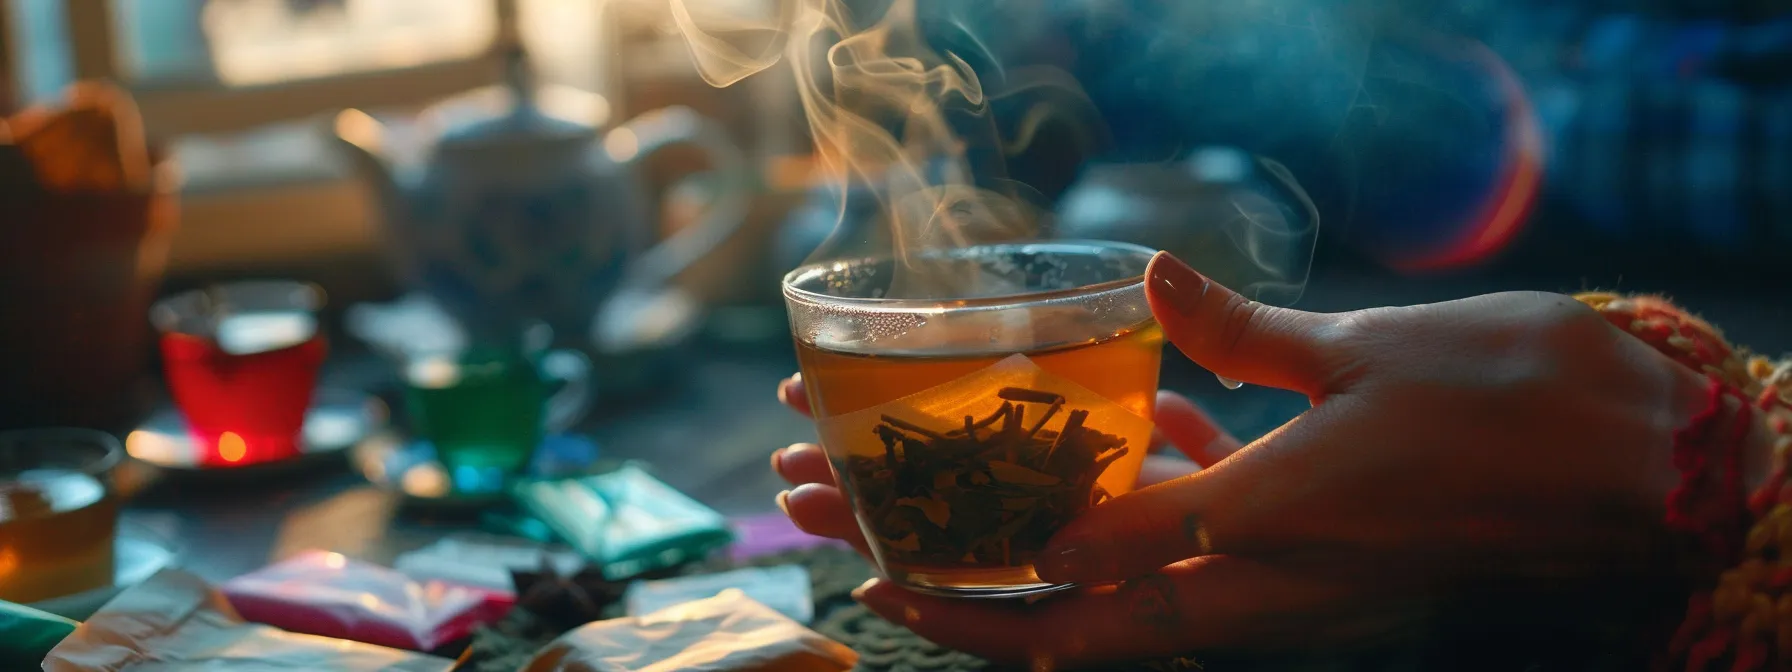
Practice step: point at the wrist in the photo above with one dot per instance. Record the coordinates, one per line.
(1731, 459)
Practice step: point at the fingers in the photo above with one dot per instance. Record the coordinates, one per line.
(1219, 601)
(1160, 468)
(1263, 499)
(820, 510)
(815, 505)
(1234, 506)
(1235, 337)
(826, 513)
(1186, 426)
(803, 463)
(792, 394)
(1137, 533)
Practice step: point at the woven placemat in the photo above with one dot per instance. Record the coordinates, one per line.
(884, 646)
(887, 647)
(833, 574)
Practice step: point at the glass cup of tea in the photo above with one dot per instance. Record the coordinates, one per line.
(485, 406)
(58, 512)
(973, 401)
(242, 360)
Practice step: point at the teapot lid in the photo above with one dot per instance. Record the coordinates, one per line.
(525, 121)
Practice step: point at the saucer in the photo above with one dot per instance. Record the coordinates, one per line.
(410, 468)
(138, 555)
(337, 420)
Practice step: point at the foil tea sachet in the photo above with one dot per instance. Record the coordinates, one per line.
(784, 588)
(983, 470)
(175, 621)
(327, 594)
(626, 521)
(484, 561)
(726, 633)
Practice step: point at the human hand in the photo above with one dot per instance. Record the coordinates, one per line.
(818, 507)
(1510, 436)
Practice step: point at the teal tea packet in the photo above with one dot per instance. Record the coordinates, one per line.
(27, 635)
(626, 521)
(784, 588)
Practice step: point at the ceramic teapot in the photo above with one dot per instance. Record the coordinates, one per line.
(532, 215)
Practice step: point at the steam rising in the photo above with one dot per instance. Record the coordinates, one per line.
(911, 124)
(900, 118)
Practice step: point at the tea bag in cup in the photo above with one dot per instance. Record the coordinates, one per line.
(978, 473)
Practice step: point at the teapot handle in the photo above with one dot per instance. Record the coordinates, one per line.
(678, 125)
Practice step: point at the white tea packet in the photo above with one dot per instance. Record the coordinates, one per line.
(784, 588)
(483, 561)
(175, 621)
(726, 633)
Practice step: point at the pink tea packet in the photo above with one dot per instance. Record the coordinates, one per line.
(175, 621)
(726, 633)
(327, 594)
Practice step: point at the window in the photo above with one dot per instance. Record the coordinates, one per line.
(233, 87)
(226, 65)
(272, 41)
(236, 89)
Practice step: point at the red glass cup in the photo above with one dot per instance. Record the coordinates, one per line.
(241, 361)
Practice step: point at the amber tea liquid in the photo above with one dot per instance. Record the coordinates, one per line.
(57, 531)
(1121, 370)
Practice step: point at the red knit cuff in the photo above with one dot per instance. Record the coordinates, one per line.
(1709, 503)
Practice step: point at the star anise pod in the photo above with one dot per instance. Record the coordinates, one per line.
(567, 600)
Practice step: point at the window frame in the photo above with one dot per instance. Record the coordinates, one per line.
(171, 110)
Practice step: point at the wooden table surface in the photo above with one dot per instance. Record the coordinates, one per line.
(711, 436)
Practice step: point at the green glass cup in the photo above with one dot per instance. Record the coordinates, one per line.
(486, 407)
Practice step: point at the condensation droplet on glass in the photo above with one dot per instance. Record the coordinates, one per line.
(1229, 383)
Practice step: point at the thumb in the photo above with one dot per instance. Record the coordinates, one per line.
(1235, 337)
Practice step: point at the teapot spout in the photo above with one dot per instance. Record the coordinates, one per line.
(363, 140)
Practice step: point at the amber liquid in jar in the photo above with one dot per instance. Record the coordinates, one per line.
(1122, 369)
(57, 532)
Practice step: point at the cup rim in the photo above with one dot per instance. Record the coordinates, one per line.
(1004, 301)
(97, 467)
(166, 312)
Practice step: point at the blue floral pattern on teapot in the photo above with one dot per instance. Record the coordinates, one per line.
(524, 216)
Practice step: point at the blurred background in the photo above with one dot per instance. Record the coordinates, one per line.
(1403, 150)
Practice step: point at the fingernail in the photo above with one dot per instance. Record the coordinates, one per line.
(1176, 281)
(783, 501)
(877, 601)
(859, 592)
(1063, 561)
(778, 461)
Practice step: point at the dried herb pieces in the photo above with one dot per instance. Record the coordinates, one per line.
(566, 600)
(985, 492)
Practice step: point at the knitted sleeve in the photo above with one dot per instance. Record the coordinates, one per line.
(1740, 616)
